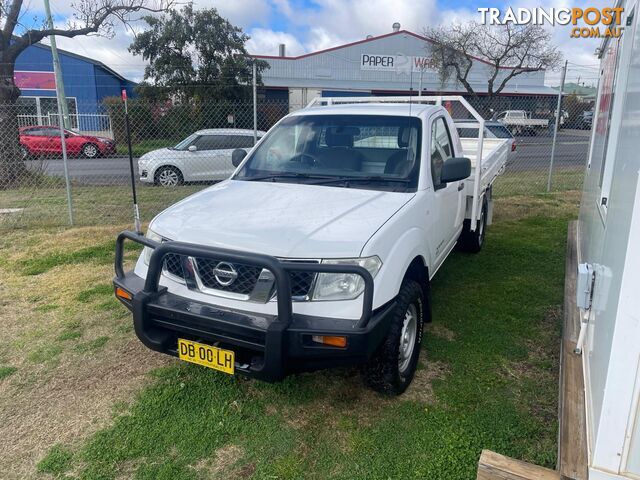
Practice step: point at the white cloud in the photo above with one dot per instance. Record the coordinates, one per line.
(239, 12)
(265, 42)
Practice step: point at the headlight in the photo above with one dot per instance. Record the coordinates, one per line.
(344, 286)
(151, 235)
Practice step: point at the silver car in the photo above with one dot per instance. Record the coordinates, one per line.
(203, 156)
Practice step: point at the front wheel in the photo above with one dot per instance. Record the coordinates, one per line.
(90, 150)
(24, 153)
(168, 177)
(393, 365)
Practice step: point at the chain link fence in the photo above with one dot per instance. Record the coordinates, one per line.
(180, 149)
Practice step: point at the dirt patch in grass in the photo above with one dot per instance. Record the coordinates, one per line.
(74, 401)
(441, 331)
(223, 459)
(421, 389)
(71, 363)
(555, 204)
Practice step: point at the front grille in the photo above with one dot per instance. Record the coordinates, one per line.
(216, 275)
(242, 281)
(301, 283)
(173, 265)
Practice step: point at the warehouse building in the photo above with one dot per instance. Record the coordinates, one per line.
(86, 81)
(396, 63)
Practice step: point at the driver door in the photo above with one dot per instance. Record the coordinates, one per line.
(447, 196)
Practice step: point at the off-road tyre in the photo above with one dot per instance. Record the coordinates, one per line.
(472, 241)
(384, 372)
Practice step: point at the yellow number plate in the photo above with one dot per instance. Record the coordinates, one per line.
(206, 355)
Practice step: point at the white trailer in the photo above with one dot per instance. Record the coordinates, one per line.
(609, 255)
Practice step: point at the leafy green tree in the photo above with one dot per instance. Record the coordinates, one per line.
(195, 54)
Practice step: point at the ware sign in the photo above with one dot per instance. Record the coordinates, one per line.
(35, 80)
(395, 63)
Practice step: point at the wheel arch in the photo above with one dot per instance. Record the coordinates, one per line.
(162, 165)
(419, 271)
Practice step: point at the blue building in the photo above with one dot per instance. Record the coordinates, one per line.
(86, 82)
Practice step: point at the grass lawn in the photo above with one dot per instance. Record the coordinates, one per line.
(81, 398)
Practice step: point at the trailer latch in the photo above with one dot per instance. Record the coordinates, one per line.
(584, 298)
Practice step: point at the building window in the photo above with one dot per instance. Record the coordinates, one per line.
(44, 111)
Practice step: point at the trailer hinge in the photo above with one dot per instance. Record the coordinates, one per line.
(584, 299)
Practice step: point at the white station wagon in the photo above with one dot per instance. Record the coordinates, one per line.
(203, 156)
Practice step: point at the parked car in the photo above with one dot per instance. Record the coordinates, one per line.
(203, 156)
(45, 140)
(492, 129)
(320, 248)
(520, 122)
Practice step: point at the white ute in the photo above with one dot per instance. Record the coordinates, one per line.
(319, 250)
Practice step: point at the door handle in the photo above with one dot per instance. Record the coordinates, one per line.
(460, 186)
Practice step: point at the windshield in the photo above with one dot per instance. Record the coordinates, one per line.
(361, 151)
(186, 142)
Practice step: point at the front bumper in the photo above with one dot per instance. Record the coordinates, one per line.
(268, 347)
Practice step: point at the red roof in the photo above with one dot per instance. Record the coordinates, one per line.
(371, 39)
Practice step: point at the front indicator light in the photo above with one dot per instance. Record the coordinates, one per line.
(122, 294)
(330, 340)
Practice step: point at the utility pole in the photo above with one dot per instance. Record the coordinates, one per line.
(556, 125)
(63, 112)
(62, 100)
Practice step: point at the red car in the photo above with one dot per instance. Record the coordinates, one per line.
(44, 140)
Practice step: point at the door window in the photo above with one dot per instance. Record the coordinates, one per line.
(239, 141)
(441, 150)
(210, 142)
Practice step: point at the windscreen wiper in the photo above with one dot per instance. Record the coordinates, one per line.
(366, 179)
(275, 176)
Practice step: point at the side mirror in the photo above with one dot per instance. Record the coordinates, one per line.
(454, 169)
(237, 156)
(192, 148)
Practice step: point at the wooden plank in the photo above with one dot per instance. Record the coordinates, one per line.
(571, 327)
(572, 445)
(493, 466)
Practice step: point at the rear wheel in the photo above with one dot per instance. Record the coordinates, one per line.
(90, 150)
(24, 152)
(472, 241)
(393, 365)
(168, 177)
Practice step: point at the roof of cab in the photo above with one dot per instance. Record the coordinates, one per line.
(395, 109)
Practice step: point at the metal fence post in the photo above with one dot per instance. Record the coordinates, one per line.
(556, 126)
(63, 141)
(255, 103)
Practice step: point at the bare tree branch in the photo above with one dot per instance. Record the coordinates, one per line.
(90, 17)
(508, 51)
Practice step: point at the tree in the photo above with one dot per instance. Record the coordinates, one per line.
(90, 17)
(522, 48)
(194, 54)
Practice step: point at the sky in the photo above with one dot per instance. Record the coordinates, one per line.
(310, 25)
